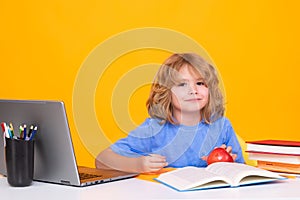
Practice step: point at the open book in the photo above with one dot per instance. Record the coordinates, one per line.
(220, 174)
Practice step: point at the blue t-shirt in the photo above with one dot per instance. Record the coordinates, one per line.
(181, 145)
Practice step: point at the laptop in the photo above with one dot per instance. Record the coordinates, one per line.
(54, 158)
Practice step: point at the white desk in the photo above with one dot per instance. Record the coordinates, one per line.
(140, 189)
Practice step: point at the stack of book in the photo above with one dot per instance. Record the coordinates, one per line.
(275, 155)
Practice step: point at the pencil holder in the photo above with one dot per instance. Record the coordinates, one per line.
(19, 155)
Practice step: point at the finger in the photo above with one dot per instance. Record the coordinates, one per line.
(234, 156)
(157, 159)
(153, 170)
(223, 146)
(156, 166)
(204, 158)
(152, 164)
(157, 156)
(229, 149)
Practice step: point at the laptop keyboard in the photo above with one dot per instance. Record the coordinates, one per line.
(87, 176)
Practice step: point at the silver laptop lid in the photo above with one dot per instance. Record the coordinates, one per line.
(54, 155)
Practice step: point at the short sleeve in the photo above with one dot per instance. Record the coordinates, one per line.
(139, 139)
(231, 140)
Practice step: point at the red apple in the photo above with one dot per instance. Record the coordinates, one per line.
(219, 155)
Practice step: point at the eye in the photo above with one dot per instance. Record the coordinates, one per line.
(200, 83)
(182, 84)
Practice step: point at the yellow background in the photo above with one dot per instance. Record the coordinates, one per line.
(254, 45)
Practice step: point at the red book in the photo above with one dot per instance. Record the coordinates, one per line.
(274, 146)
(276, 142)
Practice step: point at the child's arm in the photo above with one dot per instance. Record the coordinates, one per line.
(108, 159)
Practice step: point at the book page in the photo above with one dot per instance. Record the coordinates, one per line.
(192, 177)
(240, 174)
(273, 148)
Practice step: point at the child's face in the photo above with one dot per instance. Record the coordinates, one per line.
(190, 95)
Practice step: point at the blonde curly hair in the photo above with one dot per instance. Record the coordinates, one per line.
(159, 103)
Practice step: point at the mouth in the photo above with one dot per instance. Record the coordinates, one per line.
(193, 99)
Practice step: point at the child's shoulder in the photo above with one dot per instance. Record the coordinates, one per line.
(223, 118)
(221, 121)
(154, 123)
(150, 126)
(151, 121)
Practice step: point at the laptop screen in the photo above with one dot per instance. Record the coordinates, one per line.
(54, 155)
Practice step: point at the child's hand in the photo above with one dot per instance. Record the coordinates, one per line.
(151, 163)
(228, 149)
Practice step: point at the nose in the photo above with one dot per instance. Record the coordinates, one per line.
(193, 89)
